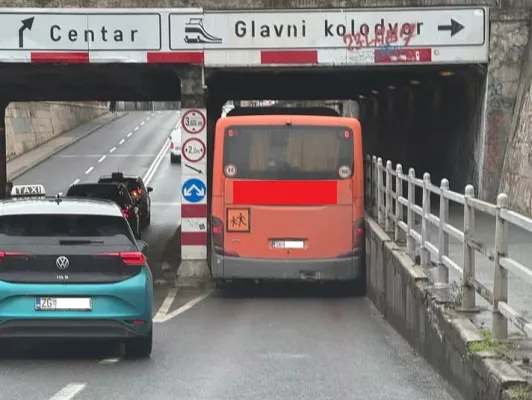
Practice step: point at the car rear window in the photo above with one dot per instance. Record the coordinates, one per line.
(104, 192)
(131, 183)
(288, 152)
(65, 226)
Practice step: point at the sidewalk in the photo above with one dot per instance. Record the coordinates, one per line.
(21, 164)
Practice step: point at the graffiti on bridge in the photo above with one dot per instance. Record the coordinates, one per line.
(496, 97)
(381, 36)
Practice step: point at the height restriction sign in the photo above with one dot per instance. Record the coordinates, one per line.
(193, 121)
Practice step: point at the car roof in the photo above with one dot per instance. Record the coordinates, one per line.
(123, 176)
(58, 206)
(98, 184)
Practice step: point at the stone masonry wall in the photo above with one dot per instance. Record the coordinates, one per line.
(29, 125)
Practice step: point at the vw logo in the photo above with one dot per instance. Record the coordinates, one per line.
(62, 262)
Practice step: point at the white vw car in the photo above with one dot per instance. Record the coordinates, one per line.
(175, 145)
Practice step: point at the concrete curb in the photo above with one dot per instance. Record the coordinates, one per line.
(433, 326)
(56, 150)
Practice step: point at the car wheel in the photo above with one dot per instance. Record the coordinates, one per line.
(148, 219)
(139, 347)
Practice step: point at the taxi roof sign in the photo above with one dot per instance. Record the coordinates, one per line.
(28, 191)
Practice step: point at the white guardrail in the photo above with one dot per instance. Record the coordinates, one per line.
(384, 192)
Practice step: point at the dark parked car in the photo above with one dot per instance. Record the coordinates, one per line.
(138, 191)
(116, 192)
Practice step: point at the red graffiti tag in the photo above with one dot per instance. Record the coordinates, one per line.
(383, 36)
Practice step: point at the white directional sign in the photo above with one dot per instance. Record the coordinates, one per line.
(299, 29)
(76, 31)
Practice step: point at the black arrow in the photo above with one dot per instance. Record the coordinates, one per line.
(455, 27)
(199, 171)
(26, 24)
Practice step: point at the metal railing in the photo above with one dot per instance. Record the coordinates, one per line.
(386, 202)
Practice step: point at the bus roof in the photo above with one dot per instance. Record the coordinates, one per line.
(312, 120)
(323, 111)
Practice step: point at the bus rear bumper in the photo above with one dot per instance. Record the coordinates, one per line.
(330, 269)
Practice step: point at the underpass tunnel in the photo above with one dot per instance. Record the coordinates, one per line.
(86, 82)
(427, 118)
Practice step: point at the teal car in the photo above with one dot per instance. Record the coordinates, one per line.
(71, 269)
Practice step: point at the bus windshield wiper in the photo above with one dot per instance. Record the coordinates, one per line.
(66, 242)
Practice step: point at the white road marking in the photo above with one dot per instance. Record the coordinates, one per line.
(147, 119)
(87, 172)
(129, 134)
(75, 182)
(113, 149)
(69, 391)
(187, 306)
(167, 303)
(156, 163)
(109, 360)
(122, 141)
(142, 123)
(101, 159)
(136, 129)
(60, 193)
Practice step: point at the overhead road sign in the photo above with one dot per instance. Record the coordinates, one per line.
(300, 29)
(67, 32)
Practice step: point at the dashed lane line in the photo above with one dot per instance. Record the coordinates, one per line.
(69, 391)
(87, 172)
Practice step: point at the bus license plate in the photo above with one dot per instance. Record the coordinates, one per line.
(63, 304)
(288, 244)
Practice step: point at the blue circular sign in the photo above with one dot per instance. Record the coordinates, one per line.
(194, 190)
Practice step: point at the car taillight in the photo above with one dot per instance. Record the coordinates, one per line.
(128, 257)
(171, 145)
(137, 192)
(4, 254)
(125, 213)
(133, 258)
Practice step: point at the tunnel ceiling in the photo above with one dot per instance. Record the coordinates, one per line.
(319, 84)
(139, 82)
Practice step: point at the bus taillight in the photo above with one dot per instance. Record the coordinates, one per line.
(358, 234)
(217, 232)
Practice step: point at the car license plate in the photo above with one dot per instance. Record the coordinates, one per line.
(288, 244)
(63, 304)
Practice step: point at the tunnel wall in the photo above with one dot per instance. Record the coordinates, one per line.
(29, 125)
(516, 178)
(507, 68)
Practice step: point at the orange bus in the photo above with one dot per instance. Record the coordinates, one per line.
(288, 199)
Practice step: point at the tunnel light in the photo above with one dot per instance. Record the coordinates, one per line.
(446, 73)
(391, 87)
(414, 82)
(375, 91)
(361, 96)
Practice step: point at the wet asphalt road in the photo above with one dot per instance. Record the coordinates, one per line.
(260, 343)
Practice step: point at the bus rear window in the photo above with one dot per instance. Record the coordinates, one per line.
(288, 152)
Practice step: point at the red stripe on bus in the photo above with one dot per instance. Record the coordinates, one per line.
(193, 238)
(60, 57)
(193, 210)
(285, 192)
(289, 57)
